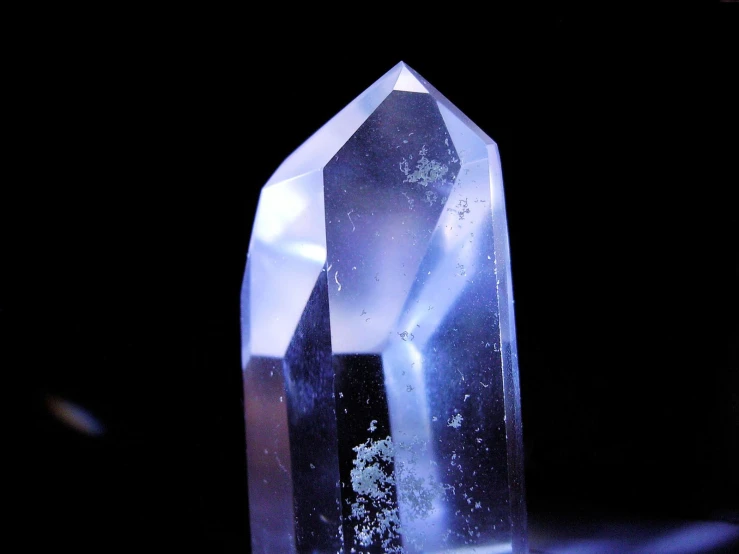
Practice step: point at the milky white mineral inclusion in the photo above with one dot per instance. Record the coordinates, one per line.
(380, 374)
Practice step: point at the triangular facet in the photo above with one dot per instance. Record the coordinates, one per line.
(408, 82)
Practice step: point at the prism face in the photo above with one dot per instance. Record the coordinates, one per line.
(311, 411)
(448, 386)
(395, 413)
(363, 420)
(268, 457)
(286, 255)
(384, 193)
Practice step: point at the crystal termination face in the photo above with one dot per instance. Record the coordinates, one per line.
(379, 352)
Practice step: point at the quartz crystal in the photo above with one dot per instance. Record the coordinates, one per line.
(379, 353)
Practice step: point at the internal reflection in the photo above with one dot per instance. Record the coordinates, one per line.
(374, 367)
(385, 191)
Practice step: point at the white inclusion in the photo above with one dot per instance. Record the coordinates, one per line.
(279, 463)
(470, 185)
(336, 278)
(455, 421)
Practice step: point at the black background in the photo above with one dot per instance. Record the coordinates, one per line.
(136, 170)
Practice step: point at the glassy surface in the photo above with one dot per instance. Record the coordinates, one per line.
(381, 384)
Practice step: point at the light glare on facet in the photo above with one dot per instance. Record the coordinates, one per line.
(408, 82)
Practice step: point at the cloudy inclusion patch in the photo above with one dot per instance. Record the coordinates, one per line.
(372, 481)
(377, 303)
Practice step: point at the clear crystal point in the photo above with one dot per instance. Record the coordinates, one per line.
(379, 352)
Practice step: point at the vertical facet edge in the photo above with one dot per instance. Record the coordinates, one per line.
(511, 384)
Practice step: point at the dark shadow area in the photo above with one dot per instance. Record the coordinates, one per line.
(127, 207)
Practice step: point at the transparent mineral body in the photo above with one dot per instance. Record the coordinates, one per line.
(380, 373)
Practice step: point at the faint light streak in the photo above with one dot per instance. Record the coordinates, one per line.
(692, 538)
(74, 416)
